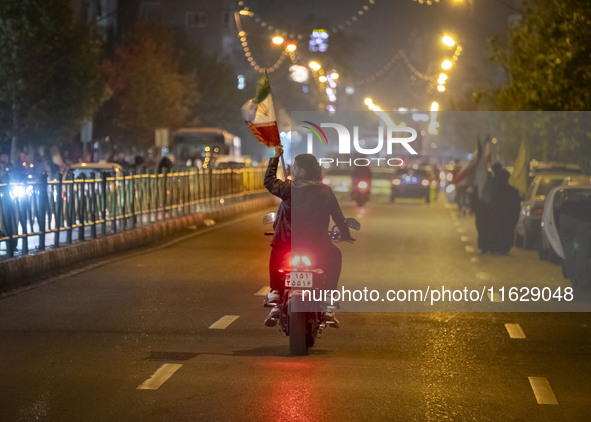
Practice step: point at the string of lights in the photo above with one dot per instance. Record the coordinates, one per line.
(336, 28)
(248, 54)
(426, 2)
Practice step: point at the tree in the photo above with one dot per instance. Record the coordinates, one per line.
(149, 90)
(50, 79)
(547, 57)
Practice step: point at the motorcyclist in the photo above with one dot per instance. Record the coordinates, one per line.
(307, 204)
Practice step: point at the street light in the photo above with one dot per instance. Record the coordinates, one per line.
(322, 78)
(278, 40)
(441, 88)
(291, 48)
(334, 75)
(314, 66)
(368, 101)
(446, 65)
(448, 41)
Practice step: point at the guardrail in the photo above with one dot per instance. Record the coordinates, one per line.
(37, 214)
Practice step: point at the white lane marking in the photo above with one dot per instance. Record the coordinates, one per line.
(484, 276)
(461, 230)
(264, 291)
(542, 390)
(474, 260)
(464, 238)
(159, 377)
(457, 223)
(223, 322)
(515, 331)
(469, 249)
(494, 297)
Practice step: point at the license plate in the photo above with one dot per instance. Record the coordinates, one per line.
(298, 279)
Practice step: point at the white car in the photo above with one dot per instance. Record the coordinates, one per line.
(550, 245)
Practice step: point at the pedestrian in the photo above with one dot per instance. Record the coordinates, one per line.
(483, 220)
(504, 211)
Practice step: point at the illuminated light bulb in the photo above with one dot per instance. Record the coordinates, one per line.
(277, 40)
(441, 88)
(449, 41)
(368, 101)
(314, 65)
(322, 78)
(291, 48)
(434, 106)
(334, 75)
(446, 65)
(443, 76)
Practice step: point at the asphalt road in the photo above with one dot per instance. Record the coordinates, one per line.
(132, 339)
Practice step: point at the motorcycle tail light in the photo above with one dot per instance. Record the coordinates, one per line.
(396, 182)
(306, 261)
(295, 260)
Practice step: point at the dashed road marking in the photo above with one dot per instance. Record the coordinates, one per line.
(484, 276)
(461, 230)
(159, 377)
(474, 260)
(515, 331)
(223, 322)
(264, 291)
(542, 390)
(469, 249)
(464, 238)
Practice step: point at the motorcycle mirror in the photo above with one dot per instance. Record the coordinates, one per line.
(269, 218)
(352, 223)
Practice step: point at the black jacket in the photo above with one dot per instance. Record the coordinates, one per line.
(306, 207)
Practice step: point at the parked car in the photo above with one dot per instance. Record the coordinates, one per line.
(412, 182)
(527, 230)
(537, 168)
(549, 242)
(573, 201)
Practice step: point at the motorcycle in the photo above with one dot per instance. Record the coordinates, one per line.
(360, 193)
(301, 321)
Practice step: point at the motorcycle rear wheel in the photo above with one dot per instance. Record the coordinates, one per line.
(297, 334)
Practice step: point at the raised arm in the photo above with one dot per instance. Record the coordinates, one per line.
(276, 186)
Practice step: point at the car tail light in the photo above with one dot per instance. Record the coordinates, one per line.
(396, 182)
(326, 181)
(425, 182)
(362, 185)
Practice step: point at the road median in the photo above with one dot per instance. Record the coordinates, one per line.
(21, 271)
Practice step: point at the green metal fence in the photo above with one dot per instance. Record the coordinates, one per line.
(35, 214)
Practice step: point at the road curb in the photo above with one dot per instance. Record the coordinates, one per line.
(20, 271)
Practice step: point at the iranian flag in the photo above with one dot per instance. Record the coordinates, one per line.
(259, 114)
